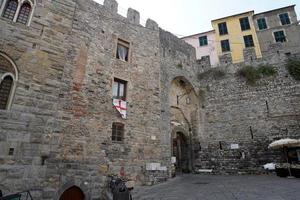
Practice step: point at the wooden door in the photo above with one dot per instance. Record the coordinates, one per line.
(73, 193)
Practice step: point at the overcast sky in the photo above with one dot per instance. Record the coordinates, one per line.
(187, 17)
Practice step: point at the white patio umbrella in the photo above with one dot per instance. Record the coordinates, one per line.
(284, 143)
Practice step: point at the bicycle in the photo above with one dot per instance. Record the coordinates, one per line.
(117, 189)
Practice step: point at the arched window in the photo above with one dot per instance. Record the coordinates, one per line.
(24, 13)
(8, 81)
(20, 11)
(10, 9)
(6, 86)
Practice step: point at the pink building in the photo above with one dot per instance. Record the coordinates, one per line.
(205, 45)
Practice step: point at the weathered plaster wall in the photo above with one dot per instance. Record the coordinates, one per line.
(208, 50)
(266, 37)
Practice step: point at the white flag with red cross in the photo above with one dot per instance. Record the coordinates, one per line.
(121, 106)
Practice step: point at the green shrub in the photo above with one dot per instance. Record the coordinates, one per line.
(253, 74)
(266, 70)
(213, 73)
(293, 67)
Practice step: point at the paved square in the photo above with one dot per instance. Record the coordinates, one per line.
(213, 187)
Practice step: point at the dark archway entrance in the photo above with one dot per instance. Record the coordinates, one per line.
(181, 152)
(73, 193)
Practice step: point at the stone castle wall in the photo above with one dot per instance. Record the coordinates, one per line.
(250, 116)
(61, 119)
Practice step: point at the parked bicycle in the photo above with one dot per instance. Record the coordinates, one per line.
(117, 189)
(17, 196)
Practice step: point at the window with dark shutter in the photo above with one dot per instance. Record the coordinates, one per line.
(5, 91)
(248, 39)
(223, 28)
(117, 132)
(10, 9)
(284, 18)
(203, 41)
(279, 36)
(262, 24)
(24, 13)
(245, 25)
(225, 45)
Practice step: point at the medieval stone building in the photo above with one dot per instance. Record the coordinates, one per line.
(64, 62)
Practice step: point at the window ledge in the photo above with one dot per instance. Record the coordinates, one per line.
(14, 23)
(118, 142)
(122, 62)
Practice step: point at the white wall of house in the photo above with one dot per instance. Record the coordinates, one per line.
(207, 50)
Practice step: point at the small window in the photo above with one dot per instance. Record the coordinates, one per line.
(117, 132)
(122, 50)
(119, 89)
(262, 24)
(248, 39)
(11, 151)
(279, 36)
(10, 9)
(225, 45)
(245, 25)
(223, 28)
(284, 18)
(5, 91)
(203, 41)
(24, 13)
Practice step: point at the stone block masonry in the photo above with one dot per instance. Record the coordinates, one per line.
(250, 116)
(58, 132)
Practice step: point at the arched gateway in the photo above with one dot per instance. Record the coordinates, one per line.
(184, 114)
(73, 193)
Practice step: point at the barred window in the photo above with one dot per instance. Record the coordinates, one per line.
(5, 90)
(24, 13)
(117, 132)
(10, 9)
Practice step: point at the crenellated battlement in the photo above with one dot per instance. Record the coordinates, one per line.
(132, 15)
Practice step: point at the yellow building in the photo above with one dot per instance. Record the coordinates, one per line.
(236, 33)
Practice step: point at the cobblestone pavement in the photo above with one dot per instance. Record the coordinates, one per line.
(211, 187)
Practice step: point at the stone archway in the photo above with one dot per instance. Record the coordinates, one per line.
(73, 193)
(184, 109)
(8, 81)
(181, 151)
